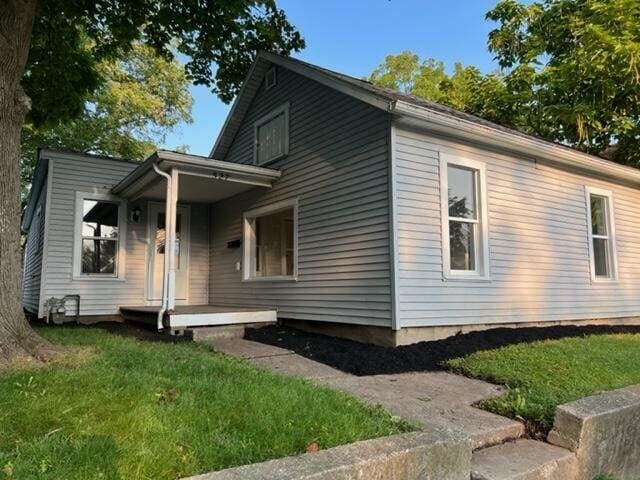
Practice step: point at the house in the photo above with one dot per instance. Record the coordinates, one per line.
(343, 207)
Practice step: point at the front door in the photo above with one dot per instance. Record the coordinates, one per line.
(156, 226)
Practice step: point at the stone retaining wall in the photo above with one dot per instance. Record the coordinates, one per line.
(426, 455)
(604, 432)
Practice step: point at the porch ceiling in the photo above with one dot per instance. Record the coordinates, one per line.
(201, 179)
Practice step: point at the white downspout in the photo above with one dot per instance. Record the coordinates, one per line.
(165, 277)
(170, 255)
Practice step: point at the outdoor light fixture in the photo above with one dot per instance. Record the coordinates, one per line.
(136, 212)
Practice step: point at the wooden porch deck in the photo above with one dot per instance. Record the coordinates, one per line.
(185, 316)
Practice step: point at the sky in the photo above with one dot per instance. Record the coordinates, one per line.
(353, 37)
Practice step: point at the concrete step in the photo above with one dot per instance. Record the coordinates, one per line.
(221, 332)
(523, 460)
(482, 427)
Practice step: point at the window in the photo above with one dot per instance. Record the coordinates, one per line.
(98, 228)
(271, 136)
(270, 242)
(601, 232)
(270, 78)
(464, 218)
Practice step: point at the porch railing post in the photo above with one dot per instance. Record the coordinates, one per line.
(170, 232)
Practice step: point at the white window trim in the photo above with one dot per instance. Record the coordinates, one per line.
(611, 228)
(77, 238)
(482, 271)
(284, 108)
(248, 240)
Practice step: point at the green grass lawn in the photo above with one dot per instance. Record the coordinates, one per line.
(133, 410)
(543, 375)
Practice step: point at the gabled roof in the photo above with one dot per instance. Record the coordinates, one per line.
(424, 113)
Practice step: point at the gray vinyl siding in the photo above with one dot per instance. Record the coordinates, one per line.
(73, 174)
(337, 169)
(33, 250)
(538, 241)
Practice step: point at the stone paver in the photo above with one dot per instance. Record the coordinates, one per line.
(239, 347)
(298, 366)
(435, 398)
(440, 387)
(523, 460)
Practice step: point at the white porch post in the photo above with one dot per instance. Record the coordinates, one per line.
(170, 241)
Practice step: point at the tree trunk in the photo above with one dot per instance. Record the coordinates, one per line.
(17, 338)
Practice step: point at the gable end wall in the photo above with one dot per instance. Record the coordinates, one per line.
(337, 168)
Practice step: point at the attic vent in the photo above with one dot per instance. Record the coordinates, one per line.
(270, 78)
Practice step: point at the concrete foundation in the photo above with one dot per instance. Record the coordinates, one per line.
(405, 336)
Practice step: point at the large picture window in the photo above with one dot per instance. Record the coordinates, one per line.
(464, 236)
(601, 234)
(272, 136)
(270, 241)
(98, 229)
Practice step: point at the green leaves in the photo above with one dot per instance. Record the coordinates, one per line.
(585, 59)
(142, 97)
(220, 39)
(466, 89)
(570, 73)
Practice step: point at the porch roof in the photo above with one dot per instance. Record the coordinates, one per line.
(202, 179)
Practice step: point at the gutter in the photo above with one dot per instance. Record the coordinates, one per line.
(529, 147)
(164, 160)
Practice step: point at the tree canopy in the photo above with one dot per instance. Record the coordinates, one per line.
(219, 38)
(140, 99)
(466, 88)
(569, 72)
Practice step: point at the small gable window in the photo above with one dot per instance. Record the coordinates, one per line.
(270, 78)
(271, 136)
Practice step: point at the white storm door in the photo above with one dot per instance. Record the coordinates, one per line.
(156, 228)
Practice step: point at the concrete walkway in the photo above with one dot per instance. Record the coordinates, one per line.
(426, 398)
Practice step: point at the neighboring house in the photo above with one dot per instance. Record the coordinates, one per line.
(343, 207)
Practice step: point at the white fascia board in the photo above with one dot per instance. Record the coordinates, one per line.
(144, 176)
(529, 147)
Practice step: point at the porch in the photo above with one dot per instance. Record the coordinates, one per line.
(183, 316)
(171, 183)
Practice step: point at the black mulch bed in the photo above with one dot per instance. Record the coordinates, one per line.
(365, 359)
